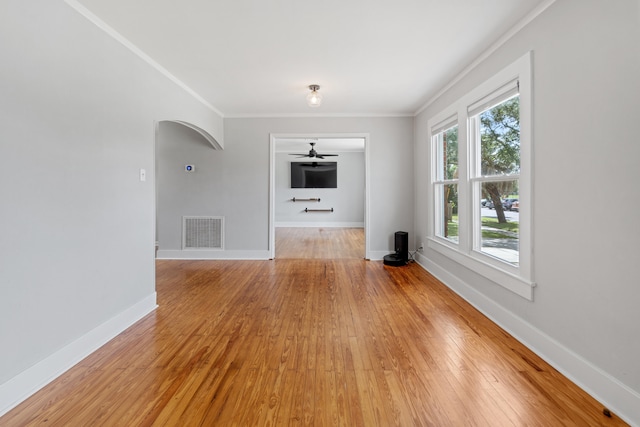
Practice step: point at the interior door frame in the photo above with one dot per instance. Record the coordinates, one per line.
(273, 137)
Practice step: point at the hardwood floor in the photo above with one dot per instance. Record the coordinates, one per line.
(318, 243)
(309, 342)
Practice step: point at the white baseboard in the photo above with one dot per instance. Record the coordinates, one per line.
(379, 255)
(320, 224)
(237, 255)
(23, 385)
(614, 395)
(211, 254)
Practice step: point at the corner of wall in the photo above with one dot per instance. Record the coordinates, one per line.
(28, 382)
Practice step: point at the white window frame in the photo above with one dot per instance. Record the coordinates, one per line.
(436, 155)
(516, 278)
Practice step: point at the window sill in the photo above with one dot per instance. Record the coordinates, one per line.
(474, 262)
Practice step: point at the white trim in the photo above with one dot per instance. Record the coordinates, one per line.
(213, 254)
(272, 196)
(445, 124)
(518, 279)
(23, 385)
(504, 278)
(206, 135)
(497, 96)
(292, 224)
(136, 51)
(484, 55)
(367, 196)
(377, 255)
(614, 395)
(316, 116)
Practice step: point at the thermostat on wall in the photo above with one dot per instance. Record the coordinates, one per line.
(189, 168)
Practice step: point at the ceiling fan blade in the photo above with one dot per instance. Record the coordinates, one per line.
(312, 153)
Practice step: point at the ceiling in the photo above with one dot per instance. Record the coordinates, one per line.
(256, 58)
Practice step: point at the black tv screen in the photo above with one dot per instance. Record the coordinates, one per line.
(314, 175)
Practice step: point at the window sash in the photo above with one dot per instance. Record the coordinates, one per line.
(438, 152)
(475, 140)
(443, 211)
(445, 125)
(496, 97)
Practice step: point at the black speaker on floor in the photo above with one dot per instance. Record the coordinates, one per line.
(401, 256)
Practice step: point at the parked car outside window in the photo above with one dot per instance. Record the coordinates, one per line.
(507, 204)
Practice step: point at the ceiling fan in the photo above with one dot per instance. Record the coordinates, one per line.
(313, 153)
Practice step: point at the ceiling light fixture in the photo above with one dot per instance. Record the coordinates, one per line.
(314, 99)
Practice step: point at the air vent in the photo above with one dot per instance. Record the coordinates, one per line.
(202, 232)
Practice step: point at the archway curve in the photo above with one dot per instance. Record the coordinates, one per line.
(206, 135)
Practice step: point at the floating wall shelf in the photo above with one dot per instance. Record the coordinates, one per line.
(313, 199)
(318, 210)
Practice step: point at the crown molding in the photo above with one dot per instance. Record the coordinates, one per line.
(317, 116)
(484, 55)
(137, 51)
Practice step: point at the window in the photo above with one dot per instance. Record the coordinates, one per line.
(481, 179)
(494, 137)
(446, 183)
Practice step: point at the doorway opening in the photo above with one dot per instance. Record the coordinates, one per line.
(319, 242)
(319, 222)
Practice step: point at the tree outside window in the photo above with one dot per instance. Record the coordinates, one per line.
(499, 132)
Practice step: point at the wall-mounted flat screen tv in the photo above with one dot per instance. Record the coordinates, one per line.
(314, 174)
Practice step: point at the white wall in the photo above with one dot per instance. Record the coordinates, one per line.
(77, 123)
(211, 191)
(347, 200)
(584, 317)
(198, 193)
(390, 162)
(234, 183)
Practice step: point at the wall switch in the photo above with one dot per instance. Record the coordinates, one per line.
(143, 175)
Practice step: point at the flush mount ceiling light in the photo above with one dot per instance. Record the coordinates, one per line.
(314, 99)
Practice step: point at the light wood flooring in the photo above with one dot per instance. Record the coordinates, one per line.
(309, 342)
(319, 243)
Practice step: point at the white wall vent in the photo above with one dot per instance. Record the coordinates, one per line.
(202, 232)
